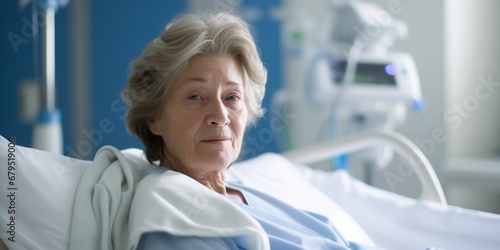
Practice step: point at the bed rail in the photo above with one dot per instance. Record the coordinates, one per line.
(431, 187)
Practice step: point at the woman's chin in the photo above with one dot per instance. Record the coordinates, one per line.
(218, 159)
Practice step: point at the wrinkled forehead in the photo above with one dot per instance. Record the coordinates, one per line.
(206, 68)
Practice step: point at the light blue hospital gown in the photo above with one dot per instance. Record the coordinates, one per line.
(288, 228)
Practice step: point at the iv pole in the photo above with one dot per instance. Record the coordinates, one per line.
(47, 133)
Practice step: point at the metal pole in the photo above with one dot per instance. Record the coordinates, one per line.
(48, 61)
(47, 131)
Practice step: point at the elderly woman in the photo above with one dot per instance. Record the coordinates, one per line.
(192, 93)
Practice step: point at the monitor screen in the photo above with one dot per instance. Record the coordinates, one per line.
(367, 73)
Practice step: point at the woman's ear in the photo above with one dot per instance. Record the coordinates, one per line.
(154, 126)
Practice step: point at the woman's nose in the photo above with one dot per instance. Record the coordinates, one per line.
(219, 115)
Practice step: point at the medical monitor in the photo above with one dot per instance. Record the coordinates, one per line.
(390, 77)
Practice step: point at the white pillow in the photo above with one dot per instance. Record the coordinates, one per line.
(37, 195)
(43, 194)
(275, 175)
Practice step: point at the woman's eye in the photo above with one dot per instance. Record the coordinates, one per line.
(233, 98)
(194, 97)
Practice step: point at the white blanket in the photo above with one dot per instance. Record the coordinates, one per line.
(102, 203)
(112, 209)
(179, 205)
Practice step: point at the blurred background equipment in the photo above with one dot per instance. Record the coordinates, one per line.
(348, 80)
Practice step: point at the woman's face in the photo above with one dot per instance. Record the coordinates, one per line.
(204, 117)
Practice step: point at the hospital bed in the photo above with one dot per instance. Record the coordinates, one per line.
(37, 196)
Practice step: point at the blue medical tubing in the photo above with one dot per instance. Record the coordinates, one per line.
(339, 162)
(418, 106)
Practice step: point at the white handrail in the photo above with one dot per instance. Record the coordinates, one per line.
(431, 187)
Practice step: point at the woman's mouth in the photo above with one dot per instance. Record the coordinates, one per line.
(216, 140)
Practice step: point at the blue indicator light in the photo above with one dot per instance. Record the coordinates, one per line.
(390, 69)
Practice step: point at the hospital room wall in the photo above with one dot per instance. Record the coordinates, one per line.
(472, 103)
(473, 60)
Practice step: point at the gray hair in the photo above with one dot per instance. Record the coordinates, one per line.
(162, 60)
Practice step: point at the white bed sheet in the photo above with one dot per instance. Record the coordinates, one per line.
(397, 222)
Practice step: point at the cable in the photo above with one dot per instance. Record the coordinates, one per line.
(341, 162)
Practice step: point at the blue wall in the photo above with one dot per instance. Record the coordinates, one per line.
(264, 137)
(119, 31)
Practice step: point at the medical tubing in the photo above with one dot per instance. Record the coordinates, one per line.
(431, 187)
(340, 162)
(309, 80)
(310, 83)
(352, 63)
